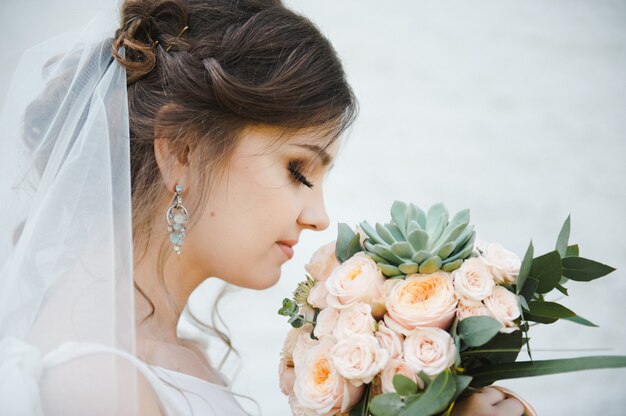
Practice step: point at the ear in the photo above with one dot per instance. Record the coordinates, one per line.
(172, 153)
(173, 165)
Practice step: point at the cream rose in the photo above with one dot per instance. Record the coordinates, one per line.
(317, 296)
(319, 388)
(304, 343)
(468, 309)
(326, 322)
(323, 262)
(359, 358)
(286, 375)
(389, 340)
(358, 279)
(421, 300)
(356, 319)
(504, 307)
(473, 280)
(504, 265)
(397, 366)
(430, 350)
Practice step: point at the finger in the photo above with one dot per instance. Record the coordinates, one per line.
(491, 395)
(510, 406)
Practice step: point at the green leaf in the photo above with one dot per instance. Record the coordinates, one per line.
(584, 270)
(362, 407)
(541, 319)
(371, 232)
(404, 386)
(431, 265)
(462, 382)
(547, 270)
(524, 269)
(389, 270)
(563, 238)
(562, 289)
(580, 320)
(385, 234)
(402, 249)
(297, 321)
(344, 236)
(389, 404)
(418, 239)
(478, 330)
(503, 348)
(549, 309)
(530, 288)
(395, 231)
(572, 251)
(354, 246)
(408, 268)
(487, 375)
(436, 397)
(399, 215)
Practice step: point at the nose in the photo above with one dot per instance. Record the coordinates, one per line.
(313, 214)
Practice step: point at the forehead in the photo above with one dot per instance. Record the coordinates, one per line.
(269, 139)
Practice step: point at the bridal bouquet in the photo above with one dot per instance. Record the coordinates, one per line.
(406, 317)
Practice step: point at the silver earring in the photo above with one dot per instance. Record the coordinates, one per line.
(177, 218)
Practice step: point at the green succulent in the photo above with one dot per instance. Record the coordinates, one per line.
(418, 242)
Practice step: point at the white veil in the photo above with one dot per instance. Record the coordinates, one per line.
(66, 282)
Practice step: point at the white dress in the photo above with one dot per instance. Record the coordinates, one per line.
(197, 396)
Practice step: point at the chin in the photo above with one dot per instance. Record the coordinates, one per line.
(260, 282)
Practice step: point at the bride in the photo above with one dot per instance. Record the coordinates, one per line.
(192, 142)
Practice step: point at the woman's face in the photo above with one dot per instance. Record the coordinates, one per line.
(270, 193)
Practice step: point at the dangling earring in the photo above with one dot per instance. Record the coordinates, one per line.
(177, 218)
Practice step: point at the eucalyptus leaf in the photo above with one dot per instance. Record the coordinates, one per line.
(435, 398)
(489, 374)
(547, 270)
(584, 270)
(524, 270)
(530, 287)
(580, 320)
(572, 251)
(404, 386)
(563, 238)
(540, 319)
(462, 382)
(389, 404)
(549, 309)
(478, 330)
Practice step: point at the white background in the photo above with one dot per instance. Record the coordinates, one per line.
(514, 109)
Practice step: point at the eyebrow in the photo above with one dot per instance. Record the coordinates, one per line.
(317, 150)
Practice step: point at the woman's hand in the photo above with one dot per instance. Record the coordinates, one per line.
(488, 402)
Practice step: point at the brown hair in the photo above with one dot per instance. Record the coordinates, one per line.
(238, 64)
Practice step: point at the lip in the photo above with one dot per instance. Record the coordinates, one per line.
(287, 247)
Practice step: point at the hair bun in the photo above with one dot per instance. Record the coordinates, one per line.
(145, 24)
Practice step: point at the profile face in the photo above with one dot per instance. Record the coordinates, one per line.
(261, 207)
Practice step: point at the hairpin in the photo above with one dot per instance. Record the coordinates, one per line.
(182, 32)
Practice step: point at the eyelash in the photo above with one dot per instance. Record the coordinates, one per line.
(294, 169)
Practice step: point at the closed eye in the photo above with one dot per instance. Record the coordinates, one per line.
(294, 168)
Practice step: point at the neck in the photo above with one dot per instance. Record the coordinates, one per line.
(168, 292)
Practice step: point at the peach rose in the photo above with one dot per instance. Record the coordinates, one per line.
(356, 319)
(467, 309)
(358, 279)
(473, 280)
(359, 358)
(319, 388)
(504, 265)
(504, 307)
(430, 350)
(421, 300)
(389, 340)
(397, 366)
(323, 262)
